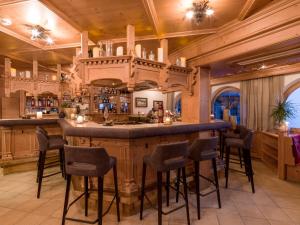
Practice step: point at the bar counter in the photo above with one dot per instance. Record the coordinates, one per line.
(129, 144)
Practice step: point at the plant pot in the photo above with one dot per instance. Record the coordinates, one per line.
(69, 111)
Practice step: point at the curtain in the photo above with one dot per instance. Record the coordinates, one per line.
(258, 97)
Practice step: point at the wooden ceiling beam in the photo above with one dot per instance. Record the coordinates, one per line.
(274, 71)
(142, 38)
(61, 14)
(152, 15)
(248, 7)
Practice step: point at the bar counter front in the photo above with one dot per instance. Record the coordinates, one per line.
(129, 144)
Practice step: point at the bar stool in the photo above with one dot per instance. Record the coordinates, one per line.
(89, 162)
(202, 150)
(165, 158)
(48, 143)
(244, 143)
(231, 134)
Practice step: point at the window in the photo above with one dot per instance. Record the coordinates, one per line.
(227, 99)
(294, 98)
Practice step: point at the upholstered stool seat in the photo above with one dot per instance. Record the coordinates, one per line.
(165, 158)
(48, 143)
(244, 144)
(89, 162)
(202, 150)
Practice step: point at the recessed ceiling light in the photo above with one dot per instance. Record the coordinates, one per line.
(209, 12)
(49, 41)
(6, 22)
(189, 14)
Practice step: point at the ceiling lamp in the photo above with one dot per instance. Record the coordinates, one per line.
(6, 22)
(40, 33)
(198, 11)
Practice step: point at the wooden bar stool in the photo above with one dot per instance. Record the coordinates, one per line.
(202, 150)
(89, 162)
(48, 143)
(165, 158)
(244, 143)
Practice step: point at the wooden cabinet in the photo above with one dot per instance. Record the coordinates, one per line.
(269, 149)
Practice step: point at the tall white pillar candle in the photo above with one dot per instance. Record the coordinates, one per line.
(138, 51)
(119, 51)
(39, 115)
(160, 55)
(183, 61)
(96, 52)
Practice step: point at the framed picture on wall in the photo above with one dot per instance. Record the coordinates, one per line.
(156, 104)
(141, 102)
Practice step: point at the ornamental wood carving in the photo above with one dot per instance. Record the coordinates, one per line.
(132, 71)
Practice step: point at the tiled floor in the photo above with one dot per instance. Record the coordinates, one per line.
(276, 202)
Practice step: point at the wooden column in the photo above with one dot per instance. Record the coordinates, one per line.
(85, 44)
(196, 108)
(130, 39)
(7, 67)
(6, 135)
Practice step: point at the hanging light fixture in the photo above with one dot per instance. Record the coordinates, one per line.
(40, 33)
(198, 11)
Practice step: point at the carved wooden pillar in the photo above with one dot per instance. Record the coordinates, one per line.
(58, 73)
(196, 107)
(35, 69)
(6, 137)
(164, 45)
(85, 44)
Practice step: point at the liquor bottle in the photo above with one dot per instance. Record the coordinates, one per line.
(32, 102)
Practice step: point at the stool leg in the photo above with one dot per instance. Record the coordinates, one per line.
(41, 173)
(159, 197)
(250, 170)
(100, 199)
(240, 156)
(246, 164)
(38, 167)
(216, 180)
(143, 190)
(186, 197)
(86, 195)
(223, 147)
(61, 162)
(168, 187)
(227, 165)
(177, 185)
(197, 187)
(66, 199)
(117, 192)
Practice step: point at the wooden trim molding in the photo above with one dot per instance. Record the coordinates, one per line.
(246, 9)
(220, 91)
(275, 71)
(291, 88)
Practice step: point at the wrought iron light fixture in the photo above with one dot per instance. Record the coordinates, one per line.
(40, 33)
(198, 11)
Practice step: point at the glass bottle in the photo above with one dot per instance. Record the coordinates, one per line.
(144, 54)
(151, 56)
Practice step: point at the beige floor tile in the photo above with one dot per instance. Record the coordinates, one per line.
(228, 219)
(11, 217)
(294, 214)
(274, 213)
(3, 211)
(246, 210)
(31, 219)
(207, 220)
(255, 221)
(276, 222)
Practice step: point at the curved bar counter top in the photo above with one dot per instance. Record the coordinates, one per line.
(129, 144)
(95, 130)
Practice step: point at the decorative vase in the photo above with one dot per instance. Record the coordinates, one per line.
(226, 114)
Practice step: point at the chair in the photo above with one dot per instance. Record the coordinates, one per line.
(165, 158)
(48, 143)
(202, 150)
(89, 162)
(244, 143)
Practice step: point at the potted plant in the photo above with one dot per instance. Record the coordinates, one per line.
(66, 111)
(282, 111)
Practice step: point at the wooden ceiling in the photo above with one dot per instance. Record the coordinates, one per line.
(107, 19)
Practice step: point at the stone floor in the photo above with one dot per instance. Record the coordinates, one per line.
(276, 202)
